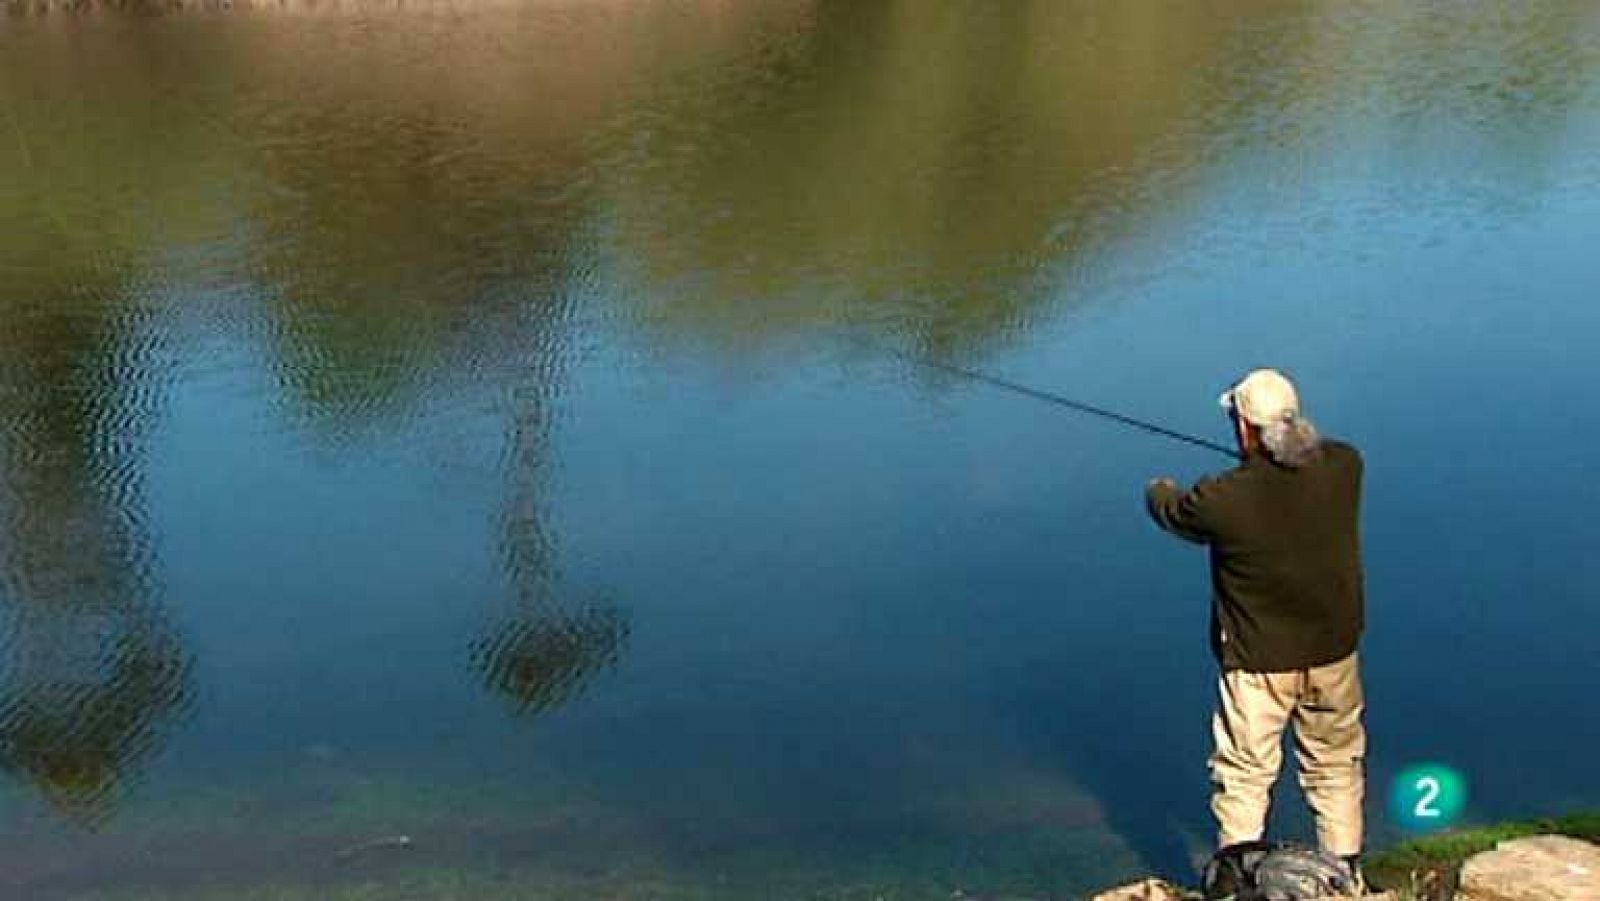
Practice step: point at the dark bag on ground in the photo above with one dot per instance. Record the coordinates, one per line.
(1275, 871)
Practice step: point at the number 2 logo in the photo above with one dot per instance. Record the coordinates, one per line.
(1427, 796)
(1430, 788)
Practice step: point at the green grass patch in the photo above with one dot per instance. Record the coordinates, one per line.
(1429, 867)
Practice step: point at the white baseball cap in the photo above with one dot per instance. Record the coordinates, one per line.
(1263, 397)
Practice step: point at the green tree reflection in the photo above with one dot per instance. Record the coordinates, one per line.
(427, 250)
(93, 675)
(916, 170)
(945, 174)
(544, 649)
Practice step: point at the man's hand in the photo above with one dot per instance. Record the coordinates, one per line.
(1158, 491)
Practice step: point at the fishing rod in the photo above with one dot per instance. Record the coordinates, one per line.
(976, 375)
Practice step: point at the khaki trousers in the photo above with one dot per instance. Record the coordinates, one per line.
(1330, 743)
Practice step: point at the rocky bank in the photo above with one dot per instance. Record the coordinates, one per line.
(1535, 868)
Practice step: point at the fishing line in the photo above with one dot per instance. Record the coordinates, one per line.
(1060, 401)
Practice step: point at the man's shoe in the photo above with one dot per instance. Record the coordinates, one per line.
(1358, 880)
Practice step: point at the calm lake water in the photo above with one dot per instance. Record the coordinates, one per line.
(496, 425)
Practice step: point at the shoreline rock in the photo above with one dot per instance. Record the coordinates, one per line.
(1534, 868)
(1160, 890)
(1542, 868)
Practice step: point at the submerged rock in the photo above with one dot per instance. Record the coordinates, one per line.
(1542, 868)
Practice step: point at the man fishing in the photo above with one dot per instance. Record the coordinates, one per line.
(1286, 615)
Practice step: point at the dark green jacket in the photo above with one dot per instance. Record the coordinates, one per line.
(1286, 580)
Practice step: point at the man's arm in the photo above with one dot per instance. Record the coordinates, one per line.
(1183, 513)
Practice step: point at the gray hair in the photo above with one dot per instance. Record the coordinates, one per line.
(1291, 441)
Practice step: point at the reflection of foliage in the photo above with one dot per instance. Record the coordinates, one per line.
(75, 734)
(934, 170)
(98, 174)
(540, 662)
(915, 169)
(410, 218)
(543, 654)
(93, 677)
(379, 289)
